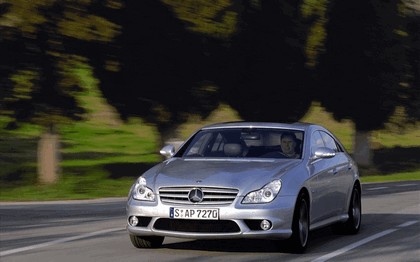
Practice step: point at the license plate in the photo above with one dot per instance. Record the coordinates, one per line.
(194, 213)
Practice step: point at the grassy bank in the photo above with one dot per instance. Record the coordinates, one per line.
(405, 176)
(102, 156)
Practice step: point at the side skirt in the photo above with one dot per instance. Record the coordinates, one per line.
(341, 218)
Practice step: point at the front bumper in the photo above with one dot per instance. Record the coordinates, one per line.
(235, 220)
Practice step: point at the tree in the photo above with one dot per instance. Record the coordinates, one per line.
(179, 58)
(165, 61)
(40, 47)
(362, 69)
(314, 18)
(412, 91)
(184, 57)
(267, 78)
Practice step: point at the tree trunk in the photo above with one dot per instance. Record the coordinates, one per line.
(362, 152)
(48, 157)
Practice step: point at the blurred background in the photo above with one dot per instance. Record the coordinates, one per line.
(91, 89)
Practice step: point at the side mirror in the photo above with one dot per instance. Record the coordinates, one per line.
(167, 151)
(323, 152)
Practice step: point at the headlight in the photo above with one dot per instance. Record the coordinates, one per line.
(263, 195)
(141, 191)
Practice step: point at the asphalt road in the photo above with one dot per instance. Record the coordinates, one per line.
(95, 231)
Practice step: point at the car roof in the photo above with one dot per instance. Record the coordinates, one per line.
(241, 124)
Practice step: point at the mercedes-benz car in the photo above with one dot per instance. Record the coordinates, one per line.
(247, 180)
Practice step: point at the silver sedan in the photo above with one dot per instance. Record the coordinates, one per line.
(247, 180)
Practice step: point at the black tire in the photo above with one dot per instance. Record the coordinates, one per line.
(146, 242)
(352, 225)
(298, 242)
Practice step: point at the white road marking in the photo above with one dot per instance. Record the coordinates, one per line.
(406, 185)
(58, 241)
(406, 224)
(362, 242)
(377, 188)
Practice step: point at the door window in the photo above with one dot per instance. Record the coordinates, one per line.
(329, 141)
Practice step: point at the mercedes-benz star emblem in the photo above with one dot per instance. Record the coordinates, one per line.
(195, 195)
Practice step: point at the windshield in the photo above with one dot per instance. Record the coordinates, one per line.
(244, 142)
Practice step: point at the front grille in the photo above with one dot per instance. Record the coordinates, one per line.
(211, 196)
(196, 226)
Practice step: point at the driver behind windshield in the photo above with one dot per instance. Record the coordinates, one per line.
(288, 143)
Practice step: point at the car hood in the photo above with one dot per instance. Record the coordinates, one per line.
(242, 174)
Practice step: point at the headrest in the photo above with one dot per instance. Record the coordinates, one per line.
(232, 149)
(273, 139)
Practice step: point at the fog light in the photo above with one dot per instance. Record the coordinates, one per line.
(133, 221)
(265, 225)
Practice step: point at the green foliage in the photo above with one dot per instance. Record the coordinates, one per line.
(23, 88)
(212, 18)
(40, 47)
(364, 63)
(161, 70)
(266, 77)
(170, 63)
(23, 15)
(88, 27)
(315, 13)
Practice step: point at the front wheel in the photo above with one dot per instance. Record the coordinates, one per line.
(146, 242)
(300, 226)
